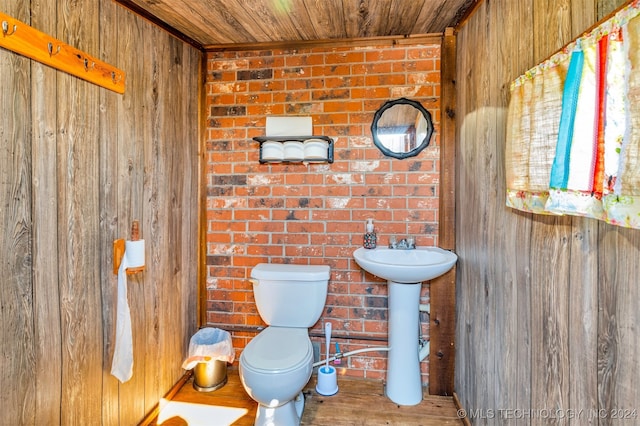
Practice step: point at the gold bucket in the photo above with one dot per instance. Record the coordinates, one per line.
(209, 376)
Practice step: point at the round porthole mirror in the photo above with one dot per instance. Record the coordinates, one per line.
(402, 128)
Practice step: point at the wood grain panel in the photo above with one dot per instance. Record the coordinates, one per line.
(442, 352)
(442, 290)
(466, 374)
(429, 15)
(549, 322)
(158, 145)
(225, 22)
(605, 7)
(109, 173)
(130, 167)
(193, 194)
(475, 161)
(81, 316)
(447, 189)
(167, 216)
(228, 25)
(485, 165)
(75, 161)
(462, 377)
(583, 314)
(581, 11)
(45, 231)
(504, 329)
(551, 27)
(332, 19)
(550, 262)
(396, 18)
(16, 291)
(617, 322)
(544, 320)
(299, 22)
(513, 349)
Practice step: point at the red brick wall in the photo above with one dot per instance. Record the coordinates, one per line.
(315, 214)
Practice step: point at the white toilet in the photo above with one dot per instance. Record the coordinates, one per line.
(276, 364)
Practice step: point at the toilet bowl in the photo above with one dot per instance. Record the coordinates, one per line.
(277, 364)
(274, 368)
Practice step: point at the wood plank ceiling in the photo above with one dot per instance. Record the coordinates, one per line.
(220, 24)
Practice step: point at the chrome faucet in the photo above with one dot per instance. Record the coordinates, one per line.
(408, 243)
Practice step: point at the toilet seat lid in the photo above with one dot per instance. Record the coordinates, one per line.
(278, 349)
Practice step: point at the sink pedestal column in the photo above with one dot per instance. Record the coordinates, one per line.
(404, 381)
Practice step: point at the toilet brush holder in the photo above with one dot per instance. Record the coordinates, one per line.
(327, 381)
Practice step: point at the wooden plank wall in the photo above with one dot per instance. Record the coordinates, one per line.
(547, 306)
(442, 318)
(78, 164)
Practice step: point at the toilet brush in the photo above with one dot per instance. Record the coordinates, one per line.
(327, 333)
(327, 380)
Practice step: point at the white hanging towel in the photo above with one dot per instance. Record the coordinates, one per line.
(122, 364)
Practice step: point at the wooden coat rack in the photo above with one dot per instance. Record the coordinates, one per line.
(27, 41)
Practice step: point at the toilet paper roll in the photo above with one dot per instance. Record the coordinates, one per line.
(316, 149)
(272, 150)
(293, 151)
(134, 252)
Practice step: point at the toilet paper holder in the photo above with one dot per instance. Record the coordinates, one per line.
(119, 248)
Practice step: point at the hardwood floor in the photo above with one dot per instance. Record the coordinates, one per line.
(358, 402)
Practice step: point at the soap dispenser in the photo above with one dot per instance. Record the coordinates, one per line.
(370, 237)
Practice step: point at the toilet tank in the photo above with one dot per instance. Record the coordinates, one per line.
(290, 295)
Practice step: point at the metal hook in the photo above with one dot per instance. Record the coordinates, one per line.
(50, 49)
(5, 28)
(86, 64)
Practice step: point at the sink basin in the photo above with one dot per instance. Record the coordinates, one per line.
(405, 266)
(404, 271)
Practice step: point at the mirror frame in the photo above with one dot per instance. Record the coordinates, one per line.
(415, 151)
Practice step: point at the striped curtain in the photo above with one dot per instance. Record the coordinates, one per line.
(573, 128)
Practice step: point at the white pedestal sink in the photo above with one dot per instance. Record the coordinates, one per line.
(405, 270)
